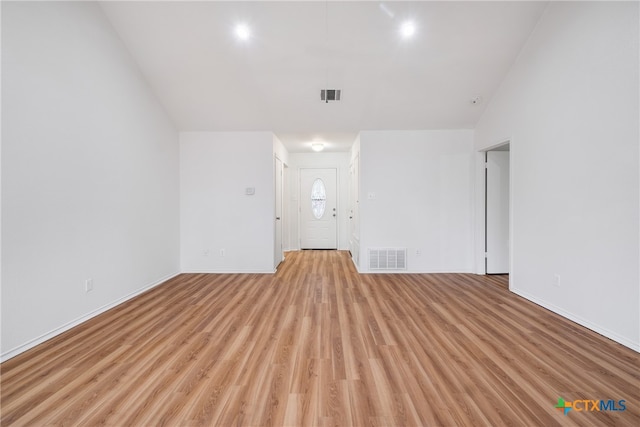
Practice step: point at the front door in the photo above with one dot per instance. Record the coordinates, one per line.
(318, 208)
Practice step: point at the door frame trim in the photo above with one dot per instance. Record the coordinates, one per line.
(481, 209)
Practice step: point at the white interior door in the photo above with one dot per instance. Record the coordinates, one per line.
(278, 254)
(497, 213)
(318, 209)
(354, 237)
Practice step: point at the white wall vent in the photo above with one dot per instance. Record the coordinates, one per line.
(388, 259)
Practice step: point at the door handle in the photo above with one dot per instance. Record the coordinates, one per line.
(278, 218)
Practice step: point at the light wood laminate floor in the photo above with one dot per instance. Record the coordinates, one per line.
(318, 344)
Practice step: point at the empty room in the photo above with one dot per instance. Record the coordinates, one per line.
(314, 213)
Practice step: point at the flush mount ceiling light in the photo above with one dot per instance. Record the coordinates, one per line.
(317, 146)
(242, 32)
(407, 29)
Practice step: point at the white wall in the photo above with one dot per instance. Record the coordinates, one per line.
(297, 161)
(570, 108)
(89, 173)
(279, 150)
(216, 214)
(422, 184)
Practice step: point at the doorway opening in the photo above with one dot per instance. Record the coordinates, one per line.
(497, 209)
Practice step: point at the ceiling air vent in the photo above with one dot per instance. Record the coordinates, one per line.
(330, 95)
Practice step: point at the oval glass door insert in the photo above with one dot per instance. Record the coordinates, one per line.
(318, 198)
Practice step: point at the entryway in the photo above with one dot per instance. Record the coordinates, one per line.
(318, 209)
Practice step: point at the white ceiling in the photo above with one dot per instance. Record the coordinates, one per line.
(208, 80)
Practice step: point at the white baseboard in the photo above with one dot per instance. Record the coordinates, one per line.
(229, 271)
(462, 271)
(579, 320)
(45, 337)
(355, 265)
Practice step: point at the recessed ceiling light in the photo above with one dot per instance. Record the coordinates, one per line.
(317, 146)
(407, 29)
(243, 32)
